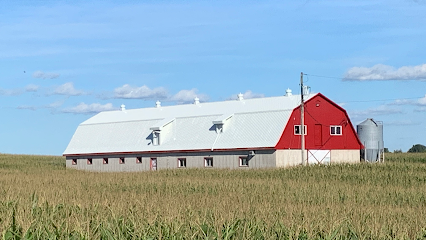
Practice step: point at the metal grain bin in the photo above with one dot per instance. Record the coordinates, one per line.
(370, 133)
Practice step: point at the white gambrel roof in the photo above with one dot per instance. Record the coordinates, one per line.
(246, 124)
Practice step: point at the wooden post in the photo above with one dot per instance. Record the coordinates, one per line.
(302, 120)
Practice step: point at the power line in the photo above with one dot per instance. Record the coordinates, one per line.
(384, 100)
(325, 76)
(361, 80)
(375, 100)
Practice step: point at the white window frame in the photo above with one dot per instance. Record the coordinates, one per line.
(181, 162)
(305, 128)
(206, 162)
(241, 161)
(335, 127)
(155, 138)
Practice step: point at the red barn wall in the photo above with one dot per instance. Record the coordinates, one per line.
(320, 114)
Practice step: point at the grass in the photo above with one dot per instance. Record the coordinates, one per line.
(406, 157)
(40, 199)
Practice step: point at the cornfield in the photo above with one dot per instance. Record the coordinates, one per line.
(40, 199)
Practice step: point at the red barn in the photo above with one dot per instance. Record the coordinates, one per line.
(329, 134)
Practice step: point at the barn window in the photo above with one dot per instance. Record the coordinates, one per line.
(155, 138)
(181, 162)
(208, 162)
(335, 130)
(74, 161)
(105, 160)
(121, 160)
(89, 161)
(297, 130)
(244, 161)
(138, 159)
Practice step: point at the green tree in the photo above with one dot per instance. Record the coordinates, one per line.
(417, 148)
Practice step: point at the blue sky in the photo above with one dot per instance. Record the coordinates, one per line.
(61, 62)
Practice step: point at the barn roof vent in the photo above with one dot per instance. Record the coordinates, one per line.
(196, 100)
(157, 104)
(123, 107)
(240, 97)
(288, 92)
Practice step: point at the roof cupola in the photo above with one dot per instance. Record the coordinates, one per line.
(288, 92)
(240, 97)
(196, 100)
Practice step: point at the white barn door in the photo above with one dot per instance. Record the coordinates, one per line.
(319, 157)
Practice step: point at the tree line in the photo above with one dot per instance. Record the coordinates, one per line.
(417, 148)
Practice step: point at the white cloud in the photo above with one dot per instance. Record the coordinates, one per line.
(402, 102)
(385, 72)
(371, 112)
(27, 107)
(402, 123)
(31, 88)
(422, 101)
(160, 93)
(144, 92)
(10, 92)
(416, 102)
(89, 108)
(422, 109)
(188, 96)
(249, 94)
(52, 106)
(18, 91)
(56, 104)
(43, 75)
(68, 90)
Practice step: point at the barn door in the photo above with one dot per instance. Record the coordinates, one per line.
(318, 135)
(319, 157)
(153, 164)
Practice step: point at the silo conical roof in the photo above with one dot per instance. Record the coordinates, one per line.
(369, 122)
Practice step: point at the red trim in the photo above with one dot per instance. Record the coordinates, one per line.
(171, 151)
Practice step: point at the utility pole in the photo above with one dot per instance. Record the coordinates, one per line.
(302, 120)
